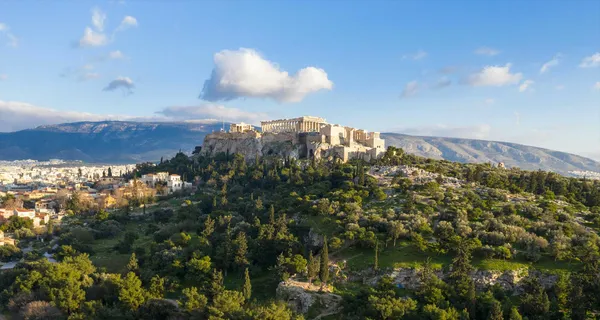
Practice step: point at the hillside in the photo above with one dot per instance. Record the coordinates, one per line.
(126, 141)
(401, 238)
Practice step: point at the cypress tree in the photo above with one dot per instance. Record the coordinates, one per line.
(496, 311)
(133, 266)
(272, 215)
(324, 269)
(311, 268)
(376, 264)
(247, 289)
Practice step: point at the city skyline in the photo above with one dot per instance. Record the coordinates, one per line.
(519, 72)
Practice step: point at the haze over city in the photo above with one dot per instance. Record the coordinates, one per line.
(526, 72)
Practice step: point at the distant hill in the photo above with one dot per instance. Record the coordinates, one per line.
(128, 141)
(472, 150)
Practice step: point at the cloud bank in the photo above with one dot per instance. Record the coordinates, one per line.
(211, 111)
(245, 73)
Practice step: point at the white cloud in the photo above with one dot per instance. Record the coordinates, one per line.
(92, 38)
(410, 89)
(116, 55)
(552, 63)
(16, 115)
(123, 83)
(3, 77)
(13, 41)
(489, 101)
(591, 61)
(559, 87)
(98, 18)
(526, 85)
(245, 73)
(211, 111)
(487, 51)
(517, 118)
(127, 22)
(597, 85)
(481, 131)
(415, 56)
(494, 76)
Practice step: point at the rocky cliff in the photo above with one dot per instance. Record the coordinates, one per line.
(252, 144)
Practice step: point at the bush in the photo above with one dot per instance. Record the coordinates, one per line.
(40, 310)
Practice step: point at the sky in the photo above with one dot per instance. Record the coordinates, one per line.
(517, 71)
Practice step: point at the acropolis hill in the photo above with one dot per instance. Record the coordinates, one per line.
(302, 138)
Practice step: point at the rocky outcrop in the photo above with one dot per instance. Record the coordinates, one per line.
(301, 297)
(509, 280)
(296, 297)
(251, 144)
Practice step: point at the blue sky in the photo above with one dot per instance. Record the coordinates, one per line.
(453, 68)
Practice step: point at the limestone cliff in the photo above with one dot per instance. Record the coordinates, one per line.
(252, 144)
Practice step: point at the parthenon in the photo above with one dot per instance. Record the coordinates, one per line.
(301, 124)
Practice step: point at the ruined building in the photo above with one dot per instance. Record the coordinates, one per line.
(304, 137)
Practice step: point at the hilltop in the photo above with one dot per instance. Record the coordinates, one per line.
(129, 141)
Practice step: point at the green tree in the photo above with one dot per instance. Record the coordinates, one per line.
(514, 314)
(131, 293)
(241, 246)
(132, 265)
(324, 268)
(216, 284)
(157, 287)
(109, 171)
(390, 307)
(496, 311)
(534, 301)
(247, 288)
(376, 263)
(192, 300)
(312, 267)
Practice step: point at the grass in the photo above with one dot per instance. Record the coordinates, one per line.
(106, 257)
(406, 255)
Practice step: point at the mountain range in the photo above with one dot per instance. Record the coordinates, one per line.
(128, 141)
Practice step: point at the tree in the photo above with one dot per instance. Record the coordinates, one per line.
(109, 171)
(514, 314)
(216, 285)
(271, 311)
(312, 267)
(376, 263)
(496, 311)
(192, 300)
(396, 229)
(133, 266)
(157, 287)
(390, 307)
(534, 301)
(131, 293)
(247, 288)
(324, 268)
(241, 244)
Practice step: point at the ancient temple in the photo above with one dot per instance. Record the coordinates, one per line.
(301, 124)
